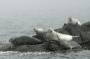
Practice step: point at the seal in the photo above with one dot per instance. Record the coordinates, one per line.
(24, 40)
(73, 20)
(64, 39)
(53, 34)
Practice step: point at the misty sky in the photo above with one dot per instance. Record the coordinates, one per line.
(20, 8)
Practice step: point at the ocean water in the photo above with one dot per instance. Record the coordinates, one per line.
(23, 26)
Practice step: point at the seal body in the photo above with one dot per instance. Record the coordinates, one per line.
(24, 40)
(58, 36)
(64, 39)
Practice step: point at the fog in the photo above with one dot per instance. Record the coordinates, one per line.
(21, 8)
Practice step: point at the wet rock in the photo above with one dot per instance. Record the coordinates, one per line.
(24, 40)
(86, 26)
(56, 46)
(85, 36)
(30, 48)
(53, 45)
(72, 29)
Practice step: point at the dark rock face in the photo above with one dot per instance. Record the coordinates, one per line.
(24, 40)
(24, 48)
(86, 26)
(53, 45)
(85, 36)
(72, 29)
(85, 42)
(30, 48)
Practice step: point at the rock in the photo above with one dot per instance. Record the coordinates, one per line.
(25, 40)
(85, 42)
(30, 48)
(86, 26)
(85, 36)
(72, 29)
(53, 45)
(56, 46)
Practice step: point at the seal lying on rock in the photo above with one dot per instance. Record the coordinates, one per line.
(25, 40)
(64, 39)
(60, 36)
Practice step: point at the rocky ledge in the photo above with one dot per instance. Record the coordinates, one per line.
(38, 43)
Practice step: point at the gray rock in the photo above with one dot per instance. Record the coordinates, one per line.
(86, 26)
(85, 36)
(30, 48)
(72, 29)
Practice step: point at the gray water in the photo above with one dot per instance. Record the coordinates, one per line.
(19, 26)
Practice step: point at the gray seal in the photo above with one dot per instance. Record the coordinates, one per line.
(24, 40)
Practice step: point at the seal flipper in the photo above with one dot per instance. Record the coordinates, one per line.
(75, 36)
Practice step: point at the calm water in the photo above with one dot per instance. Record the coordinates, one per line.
(18, 26)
